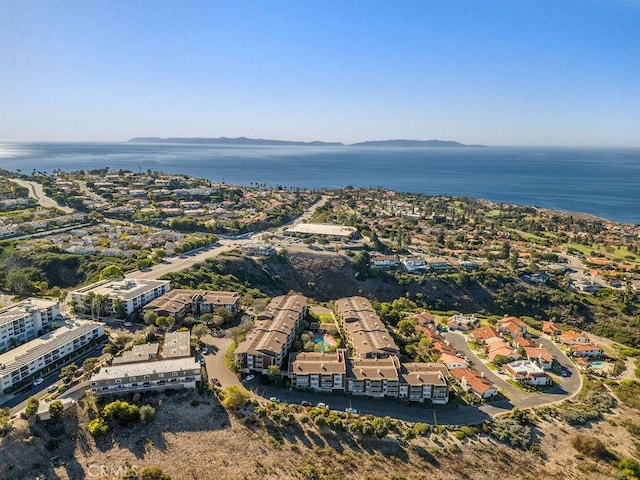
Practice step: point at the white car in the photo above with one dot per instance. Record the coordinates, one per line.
(323, 405)
(128, 324)
(38, 381)
(52, 388)
(274, 399)
(248, 378)
(350, 410)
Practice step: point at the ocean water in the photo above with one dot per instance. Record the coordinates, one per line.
(600, 181)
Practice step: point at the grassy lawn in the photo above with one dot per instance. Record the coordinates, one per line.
(326, 318)
(579, 248)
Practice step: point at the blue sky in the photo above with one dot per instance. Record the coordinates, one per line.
(496, 73)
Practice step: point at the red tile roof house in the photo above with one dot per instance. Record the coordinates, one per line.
(442, 347)
(451, 361)
(550, 328)
(512, 326)
(539, 355)
(430, 333)
(585, 350)
(571, 337)
(500, 348)
(482, 334)
(474, 382)
(521, 342)
(425, 318)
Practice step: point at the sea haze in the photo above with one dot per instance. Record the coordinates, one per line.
(599, 181)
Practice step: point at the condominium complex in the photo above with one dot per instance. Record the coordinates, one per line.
(133, 293)
(364, 332)
(23, 321)
(336, 232)
(372, 377)
(179, 302)
(154, 375)
(47, 352)
(272, 335)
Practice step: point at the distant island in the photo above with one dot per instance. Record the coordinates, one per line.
(263, 141)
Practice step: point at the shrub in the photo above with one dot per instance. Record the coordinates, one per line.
(124, 412)
(98, 427)
(590, 446)
(459, 434)
(629, 393)
(629, 468)
(147, 414)
(510, 431)
(153, 473)
(421, 429)
(234, 397)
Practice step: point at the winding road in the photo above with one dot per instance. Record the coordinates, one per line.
(37, 193)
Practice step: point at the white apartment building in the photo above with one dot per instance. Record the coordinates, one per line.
(47, 352)
(134, 293)
(22, 322)
(154, 375)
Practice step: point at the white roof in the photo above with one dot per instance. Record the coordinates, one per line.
(322, 229)
(146, 368)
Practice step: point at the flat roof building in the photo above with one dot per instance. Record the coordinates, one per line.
(139, 353)
(46, 353)
(158, 375)
(177, 345)
(22, 321)
(338, 232)
(133, 292)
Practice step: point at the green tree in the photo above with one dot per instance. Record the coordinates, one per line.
(55, 410)
(32, 407)
(68, 372)
(89, 364)
(199, 330)
(19, 282)
(150, 317)
(112, 271)
(234, 397)
(120, 308)
(98, 427)
(165, 322)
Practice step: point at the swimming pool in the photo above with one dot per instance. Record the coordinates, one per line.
(597, 364)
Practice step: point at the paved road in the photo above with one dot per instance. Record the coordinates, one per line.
(413, 413)
(517, 398)
(199, 255)
(36, 192)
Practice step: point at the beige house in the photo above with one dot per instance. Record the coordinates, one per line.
(180, 302)
(272, 335)
(363, 331)
(320, 372)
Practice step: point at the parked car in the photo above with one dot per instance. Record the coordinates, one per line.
(274, 399)
(202, 361)
(128, 324)
(248, 378)
(52, 388)
(205, 351)
(350, 410)
(304, 403)
(323, 405)
(38, 381)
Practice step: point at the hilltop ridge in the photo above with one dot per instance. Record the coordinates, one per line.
(264, 141)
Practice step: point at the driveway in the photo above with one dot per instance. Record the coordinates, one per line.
(214, 361)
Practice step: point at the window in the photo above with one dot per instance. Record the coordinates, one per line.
(118, 380)
(146, 377)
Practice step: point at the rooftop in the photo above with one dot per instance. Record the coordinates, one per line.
(24, 354)
(176, 345)
(124, 288)
(146, 368)
(19, 310)
(322, 229)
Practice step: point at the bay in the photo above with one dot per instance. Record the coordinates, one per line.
(600, 181)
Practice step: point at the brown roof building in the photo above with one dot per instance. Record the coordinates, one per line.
(273, 333)
(363, 330)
